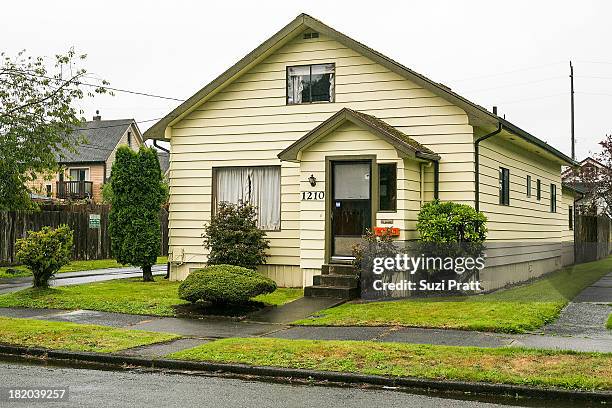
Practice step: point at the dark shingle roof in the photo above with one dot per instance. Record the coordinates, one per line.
(387, 128)
(405, 145)
(164, 161)
(101, 137)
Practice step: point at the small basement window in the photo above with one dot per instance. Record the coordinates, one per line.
(387, 187)
(504, 186)
(310, 83)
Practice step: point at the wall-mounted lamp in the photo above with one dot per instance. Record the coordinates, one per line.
(312, 180)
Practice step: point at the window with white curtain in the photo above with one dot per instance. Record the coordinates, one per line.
(259, 186)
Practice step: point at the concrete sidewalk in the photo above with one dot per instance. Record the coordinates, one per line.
(581, 326)
(79, 277)
(202, 330)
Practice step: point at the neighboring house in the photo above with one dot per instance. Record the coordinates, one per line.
(582, 179)
(86, 170)
(328, 137)
(164, 162)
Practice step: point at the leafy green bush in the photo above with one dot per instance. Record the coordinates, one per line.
(233, 238)
(44, 252)
(450, 222)
(224, 284)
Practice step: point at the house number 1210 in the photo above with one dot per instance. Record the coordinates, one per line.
(313, 195)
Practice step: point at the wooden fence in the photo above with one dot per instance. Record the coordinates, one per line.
(592, 238)
(91, 238)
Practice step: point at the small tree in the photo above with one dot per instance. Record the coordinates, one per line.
(233, 238)
(44, 252)
(138, 192)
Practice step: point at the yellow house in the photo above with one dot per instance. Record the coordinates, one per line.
(328, 137)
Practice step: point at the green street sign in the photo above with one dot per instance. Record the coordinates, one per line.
(94, 221)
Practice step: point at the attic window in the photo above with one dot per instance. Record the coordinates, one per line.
(308, 36)
(310, 83)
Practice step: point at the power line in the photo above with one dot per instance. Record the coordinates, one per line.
(123, 124)
(516, 84)
(109, 88)
(530, 99)
(595, 93)
(508, 72)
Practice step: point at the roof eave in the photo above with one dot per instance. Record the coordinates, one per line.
(477, 115)
(534, 140)
(158, 130)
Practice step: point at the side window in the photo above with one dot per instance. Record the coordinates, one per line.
(553, 198)
(571, 217)
(538, 189)
(387, 187)
(504, 186)
(528, 186)
(310, 83)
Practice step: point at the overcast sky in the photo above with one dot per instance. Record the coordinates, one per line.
(513, 54)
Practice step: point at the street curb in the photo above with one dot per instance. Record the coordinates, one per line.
(119, 361)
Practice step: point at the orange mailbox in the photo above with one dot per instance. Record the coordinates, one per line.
(391, 231)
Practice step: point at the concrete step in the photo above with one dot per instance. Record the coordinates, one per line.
(337, 292)
(349, 281)
(338, 269)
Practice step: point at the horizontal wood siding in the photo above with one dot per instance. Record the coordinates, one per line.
(340, 143)
(249, 123)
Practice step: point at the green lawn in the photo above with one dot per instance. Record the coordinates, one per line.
(73, 336)
(571, 370)
(73, 266)
(609, 323)
(515, 310)
(122, 295)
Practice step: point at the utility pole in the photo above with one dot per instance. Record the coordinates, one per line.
(572, 110)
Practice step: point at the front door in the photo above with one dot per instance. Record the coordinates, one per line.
(351, 205)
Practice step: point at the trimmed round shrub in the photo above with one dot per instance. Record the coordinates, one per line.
(224, 284)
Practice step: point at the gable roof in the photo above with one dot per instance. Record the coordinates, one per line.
(102, 136)
(405, 146)
(477, 115)
(589, 160)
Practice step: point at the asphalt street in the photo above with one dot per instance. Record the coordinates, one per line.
(94, 388)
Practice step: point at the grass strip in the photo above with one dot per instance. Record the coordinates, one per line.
(515, 310)
(73, 336)
(570, 370)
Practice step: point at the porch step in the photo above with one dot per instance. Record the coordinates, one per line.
(338, 269)
(337, 292)
(346, 281)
